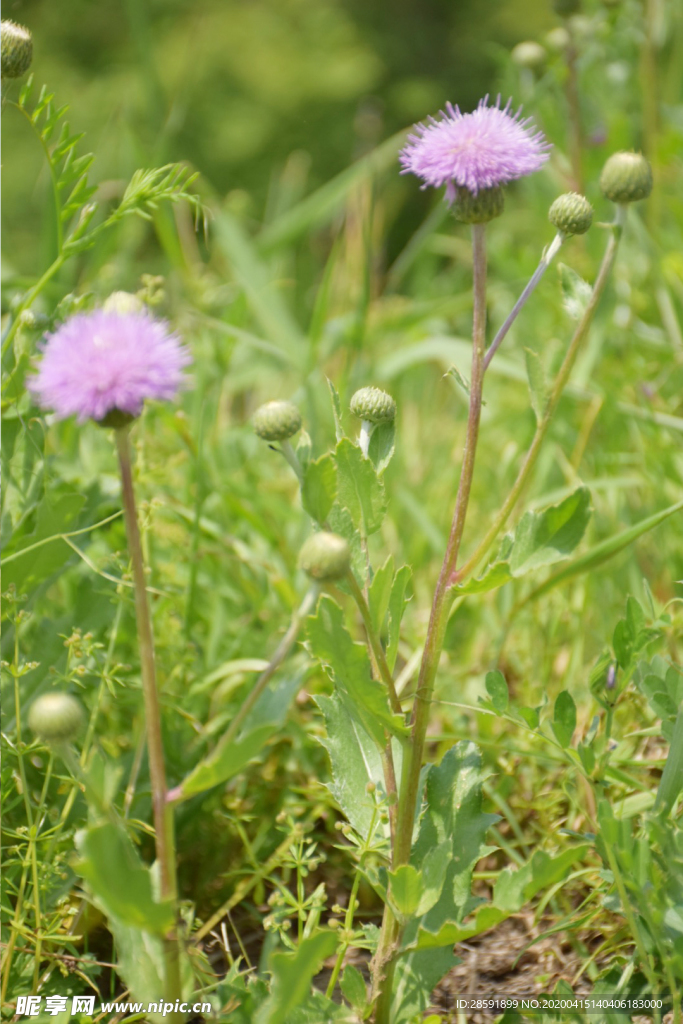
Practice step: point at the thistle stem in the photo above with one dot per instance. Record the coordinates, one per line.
(546, 259)
(412, 761)
(292, 459)
(283, 649)
(163, 813)
(558, 387)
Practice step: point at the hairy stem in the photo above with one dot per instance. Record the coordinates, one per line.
(558, 387)
(384, 962)
(546, 259)
(163, 813)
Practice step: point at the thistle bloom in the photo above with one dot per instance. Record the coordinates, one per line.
(481, 150)
(103, 363)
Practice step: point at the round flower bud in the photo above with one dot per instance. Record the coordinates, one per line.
(571, 214)
(373, 405)
(626, 177)
(277, 421)
(123, 303)
(325, 557)
(480, 208)
(17, 49)
(566, 7)
(529, 54)
(56, 717)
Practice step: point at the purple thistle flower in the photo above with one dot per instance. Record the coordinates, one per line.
(484, 149)
(98, 363)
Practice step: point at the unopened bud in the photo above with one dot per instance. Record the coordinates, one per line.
(626, 177)
(17, 49)
(325, 557)
(480, 208)
(277, 421)
(56, 717)
(529, 54)
(123, 303)
(373, 405)
(571, 214)
(558, 39)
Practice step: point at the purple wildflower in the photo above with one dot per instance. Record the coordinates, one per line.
(99, 362)
(484, 149)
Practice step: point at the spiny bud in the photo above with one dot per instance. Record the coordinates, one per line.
(17, 49)
(373, 405)
(470, 209)
(277, 421)
(529, 54)
(55, 717)
(571, 214)
(325, 557)
(626, 177)
(123, 303)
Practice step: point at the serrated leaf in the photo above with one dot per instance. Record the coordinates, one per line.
(576, 292)
(121, 882)
(381, 447)
(292, 974)
(353, 988)
(564, 718)
(359, 488)
(541, 539)
(379, 593)
(497, 689)
(319, 488)
(397, 605)
(347, 662)
(537, 385)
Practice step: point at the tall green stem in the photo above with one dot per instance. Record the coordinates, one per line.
(412, 760)
(558, 387)
(163, 813)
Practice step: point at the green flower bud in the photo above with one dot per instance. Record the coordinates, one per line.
(325, 557)
(56, 717)
(529, 54)
(626, 177)
(487, 204)
(116, 419)
(373, 405)
(17, 49)
(566, 7)
(123, 303)
(571, 214)
(557, 39)
(277, 421)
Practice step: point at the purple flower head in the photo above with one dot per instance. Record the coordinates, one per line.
(484, 149)
(98, 363)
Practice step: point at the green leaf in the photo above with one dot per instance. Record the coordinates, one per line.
(397, 605)
(225, 761)
(46, 552)
(122, 884)
(564, 718)
(576, 292)
(381, 447)
(336, 410)
(355, 760)
(353, 988)
(319, 488)
(364, 698)
(359, 488)
(630, 634)
(433, 872)
(541, 539)
(537, 384)
(379, 594)
(497, 689)
(292, 974)
(339, 521)
(405, 889)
